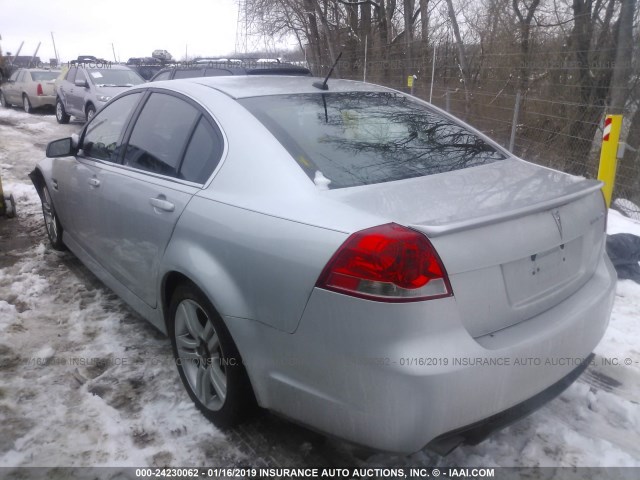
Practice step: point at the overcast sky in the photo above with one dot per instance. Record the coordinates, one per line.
(135, 27)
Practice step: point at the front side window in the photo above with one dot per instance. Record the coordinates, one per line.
(160, 135)
(217, 72)
(71, 74)
(362, 138)
(162, 76)
(102, 136)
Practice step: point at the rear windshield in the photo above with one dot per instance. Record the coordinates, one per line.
(362, 138)
(44, 76)
(107, 77)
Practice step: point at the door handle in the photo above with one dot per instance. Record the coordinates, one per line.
(94, 182)
(162, 204)
(54, 183)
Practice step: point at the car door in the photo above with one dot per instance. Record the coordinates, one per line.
(142, 199)
(77, 93)
(76, 180)
(66, 88)
(11, 87)
(21, 85)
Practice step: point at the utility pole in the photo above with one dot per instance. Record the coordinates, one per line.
(31, 62)
(55, 52)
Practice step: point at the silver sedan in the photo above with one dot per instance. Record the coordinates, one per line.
(352, 258)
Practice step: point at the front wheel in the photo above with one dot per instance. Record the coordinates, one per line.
(61, 114)
(208, 360)
(91, 112)
(26, 104)
(51, 222)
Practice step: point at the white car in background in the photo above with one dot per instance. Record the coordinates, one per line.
(30, 88)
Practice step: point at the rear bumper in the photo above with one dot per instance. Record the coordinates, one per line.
(395, 377)
(479, 431)
(42, 101)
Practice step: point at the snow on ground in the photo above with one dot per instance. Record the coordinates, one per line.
(86, 382)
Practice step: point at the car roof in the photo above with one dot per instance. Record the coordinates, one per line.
(262, 85)
(252, 67)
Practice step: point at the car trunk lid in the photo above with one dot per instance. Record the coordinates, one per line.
(515, 238)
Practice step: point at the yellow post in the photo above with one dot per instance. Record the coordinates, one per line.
(609, 155)
(410, 81)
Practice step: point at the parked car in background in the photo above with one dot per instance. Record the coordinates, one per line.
(350, 257)
(88, 86)
(162, 55)
(224, 67)
(30, 88)
(146, 67)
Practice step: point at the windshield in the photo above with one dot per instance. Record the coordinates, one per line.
(108, 77)
(44, 76)
(361, 138)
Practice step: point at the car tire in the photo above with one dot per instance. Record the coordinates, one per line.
(3, 101)
(26, 104)
(61, 113)
(208, 360)
(90, 112)
(51, 222)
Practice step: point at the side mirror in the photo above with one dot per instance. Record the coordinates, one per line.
(81, 83)
(61, 148)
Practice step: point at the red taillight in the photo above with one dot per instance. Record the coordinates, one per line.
(388, 263)
(39, 90)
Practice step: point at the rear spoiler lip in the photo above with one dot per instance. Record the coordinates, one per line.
(439, 230)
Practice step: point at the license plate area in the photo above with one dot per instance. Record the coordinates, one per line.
(542, 274)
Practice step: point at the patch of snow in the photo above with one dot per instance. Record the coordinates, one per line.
(618, 223)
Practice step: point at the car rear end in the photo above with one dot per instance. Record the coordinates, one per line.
(41, 89)
(526, 310)
(479, 294)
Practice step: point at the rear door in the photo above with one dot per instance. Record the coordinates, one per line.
(171, 151)
(11, 87)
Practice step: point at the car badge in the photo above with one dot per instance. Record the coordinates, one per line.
(556, 217)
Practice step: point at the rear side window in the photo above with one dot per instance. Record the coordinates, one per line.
(362, 138)
(160, 135)
(188, 73)
(203, 153)
(102, 137)
(217, 72)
